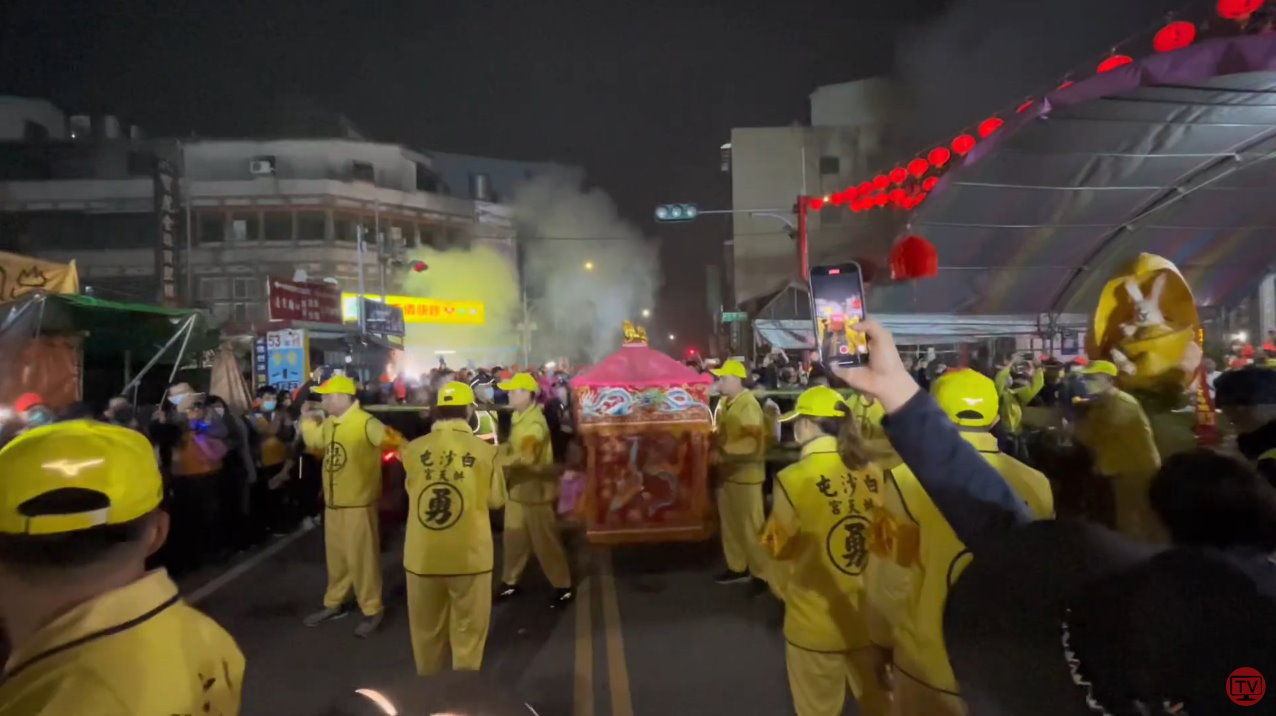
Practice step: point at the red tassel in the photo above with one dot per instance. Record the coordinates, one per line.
(914, 258)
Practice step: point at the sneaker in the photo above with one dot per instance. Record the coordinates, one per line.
(730, 577)
(367, 626)
(507, 592)
(325, 615)
(562, 597)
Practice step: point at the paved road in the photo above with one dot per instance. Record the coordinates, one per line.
(649, 634)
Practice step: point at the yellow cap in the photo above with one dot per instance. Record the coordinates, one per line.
(731, 367)
(968, 397)
(336, 385)
(455, 393)
(114, 462)
(1100, 367)
(818, 402)
(521, 381)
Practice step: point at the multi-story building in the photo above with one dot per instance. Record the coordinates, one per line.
(83, 188)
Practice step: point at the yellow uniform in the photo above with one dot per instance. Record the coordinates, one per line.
(351, 446)
(273, 450)
(819, 532)
(530, 522)
(740, 447)
(136, 650)
(1119, 436)
(916, 558)
(453, 480)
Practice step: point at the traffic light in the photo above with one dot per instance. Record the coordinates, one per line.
(676, 212)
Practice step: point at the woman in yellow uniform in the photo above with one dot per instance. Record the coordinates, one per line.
(819, 532)
(739, 452)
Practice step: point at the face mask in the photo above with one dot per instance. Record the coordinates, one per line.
(484, 393)
(561, 394)
(268, 406)
(176, 399)
(219, 412)
(36, 418)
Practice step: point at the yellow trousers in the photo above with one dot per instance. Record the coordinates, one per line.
(740, 512)
(353, 546)
(533, 528)
(914, 697)
(818, 682)
(449, 614)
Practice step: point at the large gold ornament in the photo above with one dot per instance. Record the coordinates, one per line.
(1146, 323)
(635, 334)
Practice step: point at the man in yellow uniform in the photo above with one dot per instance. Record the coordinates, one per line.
(917, 556)
(1118, 434)
(92, 631)
(818, 532)
(453, 480)
(530, 522)
(739, 450)
(351, 445)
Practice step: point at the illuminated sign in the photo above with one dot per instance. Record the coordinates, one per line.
(420, 310)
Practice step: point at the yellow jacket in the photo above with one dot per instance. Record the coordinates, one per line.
(740, 436)
(453, 480)
(1119, 435)
(527, 456)
(1014, 400)
(916, 557)
(868, 418)
(819, 533)
(351, 447)
(136, 650)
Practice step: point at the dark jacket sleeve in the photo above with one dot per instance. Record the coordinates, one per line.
(970, 493)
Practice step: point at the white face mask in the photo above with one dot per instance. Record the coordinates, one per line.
(483, 393)
(561, 393)
(219, 411)
(176, 399)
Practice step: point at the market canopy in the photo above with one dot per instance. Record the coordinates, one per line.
(111, 326)
(1170, 154)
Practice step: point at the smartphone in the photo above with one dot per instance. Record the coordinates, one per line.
(837, 304)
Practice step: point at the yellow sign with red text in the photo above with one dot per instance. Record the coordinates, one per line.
(420, 310)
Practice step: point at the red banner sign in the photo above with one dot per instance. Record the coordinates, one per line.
(311, 302)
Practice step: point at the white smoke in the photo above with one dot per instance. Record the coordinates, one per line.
(585, 269)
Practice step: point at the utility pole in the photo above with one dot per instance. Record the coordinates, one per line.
(376, 226)
(358, 234)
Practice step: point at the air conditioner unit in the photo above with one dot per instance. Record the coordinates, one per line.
(261, 166)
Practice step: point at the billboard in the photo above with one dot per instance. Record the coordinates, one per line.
(421, 310)
(286, 359)
(303, 301)
(382, 318)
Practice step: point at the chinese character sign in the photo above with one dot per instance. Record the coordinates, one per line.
(286, 359)
(421, 310)
(298, 301)
(165, 176)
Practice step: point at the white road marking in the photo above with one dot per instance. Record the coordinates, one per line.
(242, 568)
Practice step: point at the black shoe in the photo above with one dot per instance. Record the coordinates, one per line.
(757, 586)
(507, 592)
(730, 577)
(562, 597)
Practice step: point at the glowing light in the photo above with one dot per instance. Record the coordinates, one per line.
(589, 265)
(1238, 9)
(918, 167)
(1174, 36)
(898, 175)
(1025, 107)
(963, 144)
(1066, 84)
(672, 337)
(990, 125)
(815, 203)
(881, 181)
(1114, 62)
(929, 183)
(864, 188)
(646, 313)
(380, 700)
(939, 156)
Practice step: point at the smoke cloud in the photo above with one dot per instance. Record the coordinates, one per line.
(586, 269)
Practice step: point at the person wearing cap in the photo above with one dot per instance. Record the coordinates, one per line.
(453, 480)
(739, 450)
(1118, 435)
(33, 411)
(92, 631)
(482, 420)
(351, 443)
(916, 555)
(818, 534)
(531, 526)
(1247, 399)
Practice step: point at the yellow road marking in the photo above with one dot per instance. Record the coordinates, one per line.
(583, 695)
(617, 670)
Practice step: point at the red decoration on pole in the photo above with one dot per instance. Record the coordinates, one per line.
(990, 125)
(939, 156)
(1066, 84)
(1025, 107)
(913, 258)
(897, 197)
(1238, 9)
(898, 175)
(918, 167)
(1174, 36)
(881, 181)
(815, 203)
(929, 183)
(1114, 62)
(864, 188)
(963, 144)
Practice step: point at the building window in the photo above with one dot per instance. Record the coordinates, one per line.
(278, 225)
(141, 164)
(343, 227)
(312, 225)
(241, 313)
(425, 179)
(211, 227)
(244, 288)
(214, 289)
(245, 226)
(363, 171)
(830, 165)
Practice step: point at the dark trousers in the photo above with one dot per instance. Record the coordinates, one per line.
(197, 532)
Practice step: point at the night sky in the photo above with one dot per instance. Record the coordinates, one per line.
(639, 94)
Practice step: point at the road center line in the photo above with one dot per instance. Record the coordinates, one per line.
(583, 683)
(622, 703)
(240, 569)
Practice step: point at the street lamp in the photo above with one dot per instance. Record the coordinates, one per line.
(672, 337)
(589, 265)
(646, 313)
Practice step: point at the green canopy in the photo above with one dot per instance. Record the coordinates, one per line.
(111, 327)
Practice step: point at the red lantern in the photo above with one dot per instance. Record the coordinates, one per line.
(1066, 84)
(897, 197)
(880, 200)
(420, 266)
(918, 167)
(963, 144)
(815, 203)
(864, 189)
(939, 156)
(990, 125)
(1174, 36)
(929, 183)
(881, 181)
(1114, 62)
(913, 258)
(1024, 107)
(898, 175)
(1238, 9)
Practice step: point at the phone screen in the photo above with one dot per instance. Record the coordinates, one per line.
(837, 304)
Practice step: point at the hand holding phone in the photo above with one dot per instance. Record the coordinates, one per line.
(837, 305)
